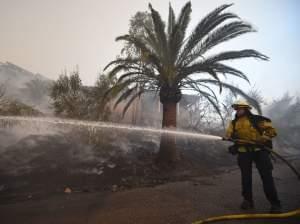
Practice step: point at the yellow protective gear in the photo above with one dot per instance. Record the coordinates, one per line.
(241, 104)
(244, 130)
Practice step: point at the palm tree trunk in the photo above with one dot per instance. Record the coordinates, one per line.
(169, 115)
(167, 151)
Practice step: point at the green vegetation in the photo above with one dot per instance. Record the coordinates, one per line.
(17, 108)
(73, 100)
(168, 61)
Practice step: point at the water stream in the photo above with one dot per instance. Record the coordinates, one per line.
(6, 120)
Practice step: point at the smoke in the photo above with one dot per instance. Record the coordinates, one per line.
(28, 145)
(12, 133)
(33, 143)
(285, 114)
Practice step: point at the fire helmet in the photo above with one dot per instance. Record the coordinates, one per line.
(241, 104)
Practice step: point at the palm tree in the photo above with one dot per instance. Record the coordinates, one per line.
(170, 61)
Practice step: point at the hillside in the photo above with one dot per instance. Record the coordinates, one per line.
(25, 86)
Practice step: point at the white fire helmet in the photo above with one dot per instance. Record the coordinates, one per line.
(241, 104)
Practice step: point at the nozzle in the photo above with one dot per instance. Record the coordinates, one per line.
(226, 139)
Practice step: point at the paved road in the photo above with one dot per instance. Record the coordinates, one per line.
(180, 202)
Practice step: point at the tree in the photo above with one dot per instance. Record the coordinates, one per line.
(99, 108)
(137, 29)
(67, 95)
(170, 61)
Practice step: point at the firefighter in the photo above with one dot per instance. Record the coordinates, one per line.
(248, 127)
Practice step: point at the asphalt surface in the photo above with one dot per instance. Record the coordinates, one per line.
(176, 202)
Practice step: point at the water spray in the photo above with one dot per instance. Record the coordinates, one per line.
(107, 125)
(95, 124)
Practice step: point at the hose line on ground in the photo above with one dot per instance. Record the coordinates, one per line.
(256, 216)
(250, 216)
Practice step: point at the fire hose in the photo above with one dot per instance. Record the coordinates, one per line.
(276, 154)
(255, 216)
(250, 216)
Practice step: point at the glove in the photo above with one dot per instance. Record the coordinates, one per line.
(233, 149)
(263, 139)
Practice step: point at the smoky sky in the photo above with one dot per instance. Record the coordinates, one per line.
(48, 37)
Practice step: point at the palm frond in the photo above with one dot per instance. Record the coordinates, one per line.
(210, 90)
(212, 98)
(184, 17)
(215, 106)
(171, 22)
(159, 28)
(138, 94)
(196, 87)
(216, 77)
(122, 61)
(117, 88)
(151, 40)
(178, 34)
(219, 35)
(128, 75)
(206, 25)
(230, 55)
(119, 68)
(200, 68)
(225, 69)
(235, 90)
(125, 95)
(225, 33)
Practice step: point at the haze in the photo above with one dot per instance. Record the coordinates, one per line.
(49, 36)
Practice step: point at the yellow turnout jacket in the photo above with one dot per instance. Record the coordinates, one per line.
(245, 130)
